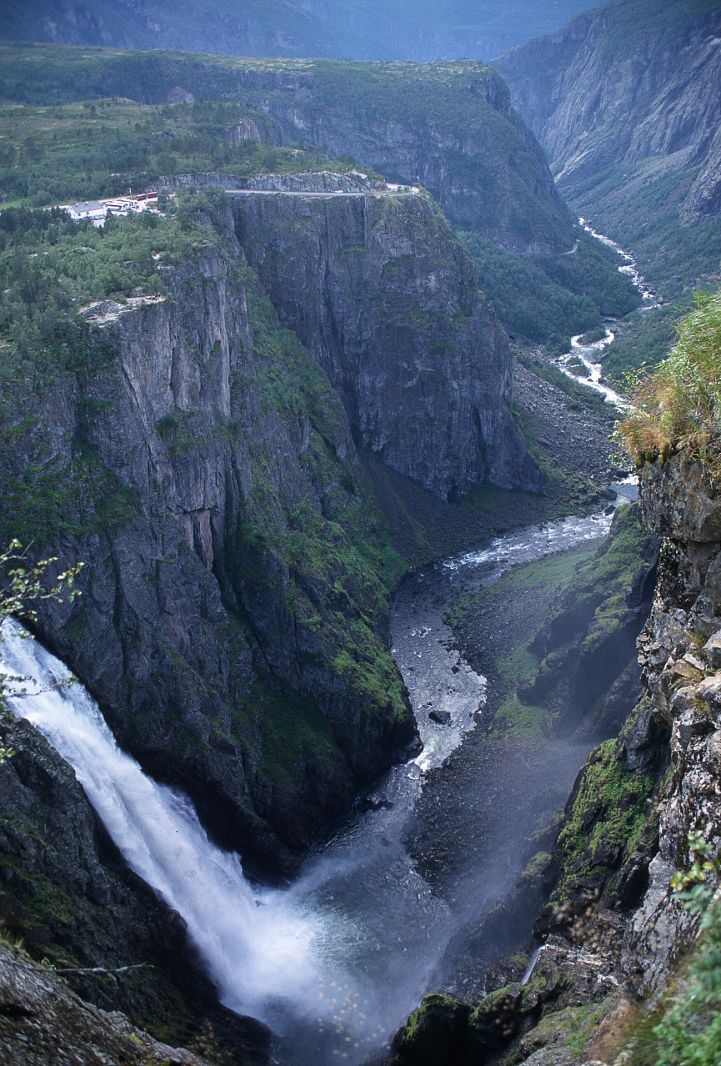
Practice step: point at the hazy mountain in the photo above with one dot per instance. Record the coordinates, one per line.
(626, 100)
(360, 29)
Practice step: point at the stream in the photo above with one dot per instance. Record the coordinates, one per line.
(587, 354)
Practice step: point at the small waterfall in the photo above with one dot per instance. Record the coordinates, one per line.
(259, 949)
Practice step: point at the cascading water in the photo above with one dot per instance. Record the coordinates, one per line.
(335, 962)
(259, 949)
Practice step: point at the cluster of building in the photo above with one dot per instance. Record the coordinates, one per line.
(97, 211)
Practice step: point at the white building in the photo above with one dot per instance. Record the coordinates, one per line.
(88, 209)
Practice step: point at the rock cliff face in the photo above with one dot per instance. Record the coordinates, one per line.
(681, 658)
(205, 468)
(262, 28)
(632, 83)
(387, 302)
(361, 29)
(625, 100)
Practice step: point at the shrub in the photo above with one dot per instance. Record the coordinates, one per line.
(678, 405)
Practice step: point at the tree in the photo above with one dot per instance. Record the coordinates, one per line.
(24, 586)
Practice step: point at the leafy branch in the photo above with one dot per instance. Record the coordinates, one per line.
(24, 586)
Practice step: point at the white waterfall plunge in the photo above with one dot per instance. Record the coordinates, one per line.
(259, 948)
(335, 962)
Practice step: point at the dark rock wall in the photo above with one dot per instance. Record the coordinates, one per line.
(386, 300)
(68, 896)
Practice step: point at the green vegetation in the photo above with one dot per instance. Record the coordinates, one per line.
(540, 583)
(340, 561)
(51, 267)
(50, 270)
(294, 733)
(643, 340)
(100, 148)
(575, 1025)
(639, 207)
(677, 406)
(579, 394)
(601, 584)
(550, 298)
(341, 557)
(496, 185)
(608, 818)
(574, 606)
(689, 1031)
(84, 123)
(685, 1027)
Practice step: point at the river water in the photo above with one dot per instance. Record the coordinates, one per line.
(588, 354)
(335, 962)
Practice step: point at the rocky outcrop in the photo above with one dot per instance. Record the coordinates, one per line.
(429, 126)
(196, 630)
(679, 653)
(41, 1021)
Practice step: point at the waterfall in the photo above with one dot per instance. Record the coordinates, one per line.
(259, 948)
(335, 962)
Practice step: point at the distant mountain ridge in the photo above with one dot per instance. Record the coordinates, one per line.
(353, 29)
(626, 101)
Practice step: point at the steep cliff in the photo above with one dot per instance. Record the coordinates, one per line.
(68, 898)
(625, 100)
(203, 463)
(361, 277)
(448, 126)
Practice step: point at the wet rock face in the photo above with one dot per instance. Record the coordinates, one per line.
(386, 300)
